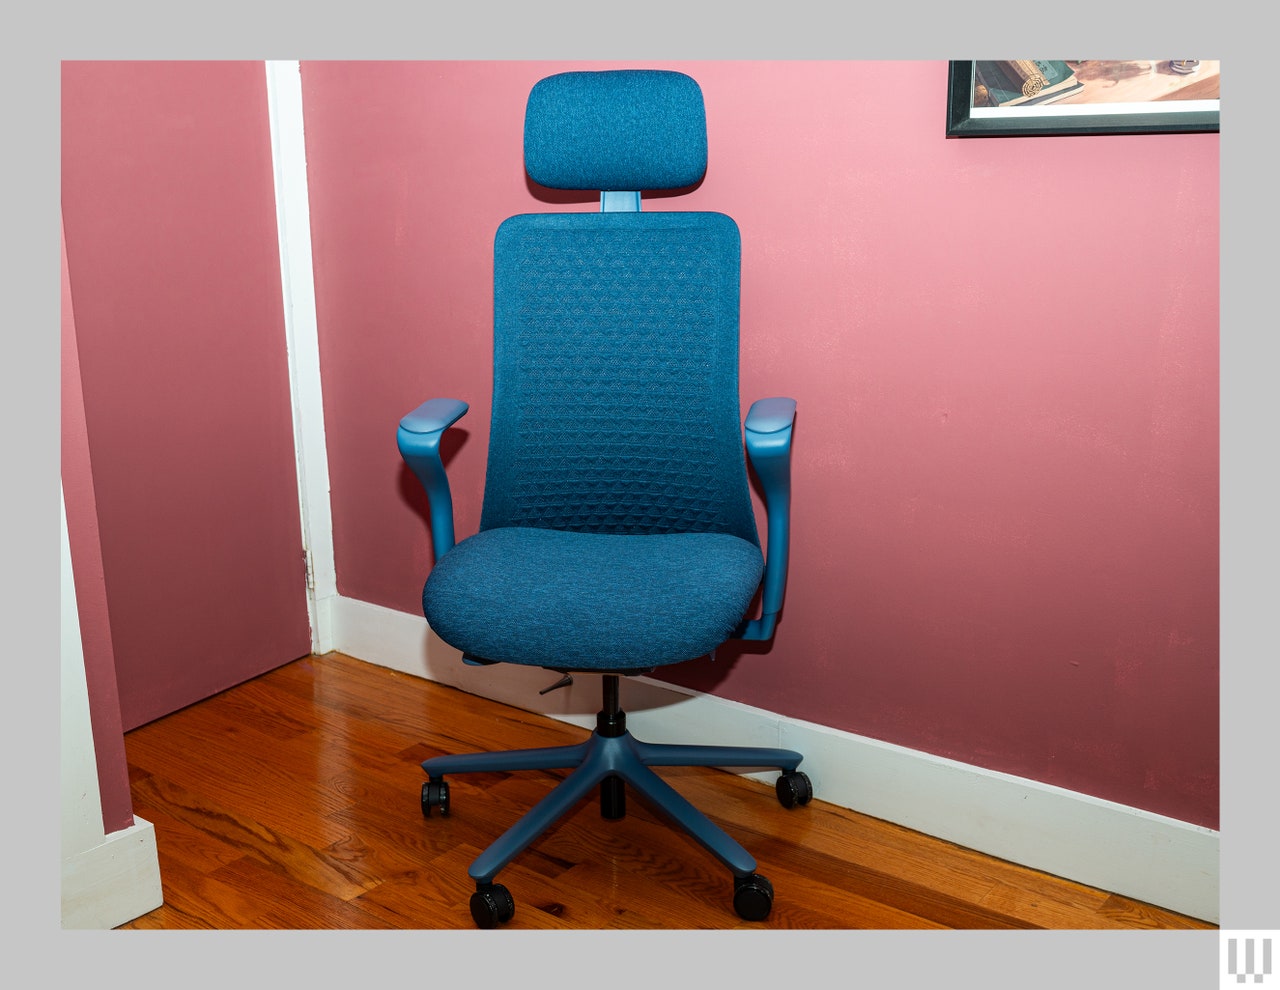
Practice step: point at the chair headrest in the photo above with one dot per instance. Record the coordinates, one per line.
(617, 129)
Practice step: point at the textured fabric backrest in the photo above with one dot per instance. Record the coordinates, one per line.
(615, 402)
(619, 129)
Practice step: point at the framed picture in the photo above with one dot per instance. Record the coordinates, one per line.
(1089, 96)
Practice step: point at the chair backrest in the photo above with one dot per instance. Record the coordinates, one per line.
(615, 400)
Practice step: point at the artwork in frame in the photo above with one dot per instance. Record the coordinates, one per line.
(1084, 96)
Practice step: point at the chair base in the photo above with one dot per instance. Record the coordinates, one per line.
(612, 758)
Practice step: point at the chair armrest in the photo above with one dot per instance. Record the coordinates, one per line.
(768, 438)
(418, 438)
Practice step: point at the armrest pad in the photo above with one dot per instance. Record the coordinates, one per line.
(771, 415)
(433, 415)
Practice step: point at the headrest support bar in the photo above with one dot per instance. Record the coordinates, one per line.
(620, 201)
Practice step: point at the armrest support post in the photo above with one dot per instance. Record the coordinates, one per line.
(768, 438)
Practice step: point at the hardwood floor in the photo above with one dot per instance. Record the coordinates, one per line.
(292, 802)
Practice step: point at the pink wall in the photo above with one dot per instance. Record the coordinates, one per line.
(171, 246)
(1005, 534)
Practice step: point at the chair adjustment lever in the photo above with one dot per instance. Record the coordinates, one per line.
(564, 681)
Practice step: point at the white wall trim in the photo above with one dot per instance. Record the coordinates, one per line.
(293, 223)
(1117, 848)
(113, 882)
(106, 879)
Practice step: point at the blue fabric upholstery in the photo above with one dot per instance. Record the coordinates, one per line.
(615, 405)
(621, 129)
(591, 601)
(617, 530)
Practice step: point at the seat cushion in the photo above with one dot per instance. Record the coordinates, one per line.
(591, 601)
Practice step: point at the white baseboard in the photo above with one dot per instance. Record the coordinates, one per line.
(114, 882)
(1117, 848)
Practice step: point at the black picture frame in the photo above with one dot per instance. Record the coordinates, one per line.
(1146, 118)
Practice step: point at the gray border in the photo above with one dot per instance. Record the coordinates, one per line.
(664, 30)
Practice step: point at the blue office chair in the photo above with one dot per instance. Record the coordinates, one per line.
(617, 533)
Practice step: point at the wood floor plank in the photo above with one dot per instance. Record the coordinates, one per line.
(292, 801)
(196, 899)
(285, 900)
(250, 837)
(437, 895)
(1128, 913)
(179, 841)
(233, 767)
(861, 839)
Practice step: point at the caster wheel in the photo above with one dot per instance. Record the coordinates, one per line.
(435, 794)
(491, 905)
(752, 897)
(794, 788)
